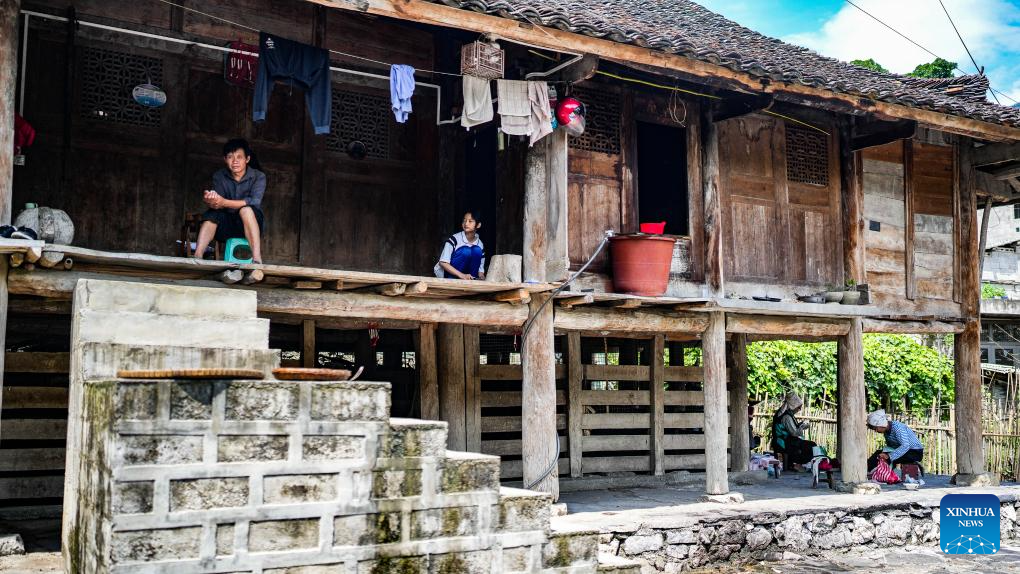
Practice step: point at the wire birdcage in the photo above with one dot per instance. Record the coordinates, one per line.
(482, 60)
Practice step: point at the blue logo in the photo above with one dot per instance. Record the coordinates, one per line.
(969, 524)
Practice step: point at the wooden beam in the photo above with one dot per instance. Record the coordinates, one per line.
(596, 319)
(513, 296)
(713, 351)
(417, 288)
(741, 105)
(472, 391)
(712, 206)
(853, 403)
(536, 218)
(3, 278)
(911, 327)
(51, 363)
(740, 439)
(986, 215)
(513, 29)
(538, 420)
(908, 218)
(875, 133)
(557, 168)
(308, 353)
(624, 303)
(657, 405)
(427, 370)
(452, 387)
(314, 304)
(851, 168)
(387, 289)
(575, 410)
(571, 302)
(8, 86)
(228, 277)
(967, 236)
(991, 154)
(800, 326)
(1004, 173)
(306, 285)
(970, 457)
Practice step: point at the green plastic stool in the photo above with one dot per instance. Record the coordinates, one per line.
(237, 246)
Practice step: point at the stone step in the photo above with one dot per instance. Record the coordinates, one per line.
(613, 564)
(413, 438)
(103, 360)
(521, 510)
(468, 472)
(141, 328)
(570, 550)
(161, 299)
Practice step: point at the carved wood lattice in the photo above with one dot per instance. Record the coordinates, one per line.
(360, 117)
(807, 156)
(107, 79)
(602, 121)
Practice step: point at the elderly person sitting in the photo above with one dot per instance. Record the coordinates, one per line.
(788, 433)
(901, 443)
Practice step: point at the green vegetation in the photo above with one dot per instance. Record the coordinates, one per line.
(989, 291)
(870, 64)
(938, 68)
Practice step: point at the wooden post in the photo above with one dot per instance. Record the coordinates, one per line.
(657, 409)
(740, 439)
(983, 240)
(428, 377)
(851, 172)
(538, 402)
(452, 384)
(557, 259)
(308, 343)
(853, 403)
(575, 410)
(713, 350)
(536, 216)
(712, 202)
(472, 390)
(8, 90)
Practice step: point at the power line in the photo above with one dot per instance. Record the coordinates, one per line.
(907, 38)
(979, 69)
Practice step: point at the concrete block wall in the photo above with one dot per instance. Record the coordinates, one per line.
(274, 476)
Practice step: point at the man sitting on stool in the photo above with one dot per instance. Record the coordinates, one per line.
(235, 202)
(901, 443)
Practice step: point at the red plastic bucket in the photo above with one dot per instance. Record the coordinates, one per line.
(641, 264)
(656, 228)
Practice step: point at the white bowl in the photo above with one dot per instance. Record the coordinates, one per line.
(910, 486)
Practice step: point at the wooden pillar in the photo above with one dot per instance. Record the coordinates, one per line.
(308, 343)
(452, 384)
(713, 350)
(538, 402)
(8, 90)
(557, 258)
(536, 216)
(657, 394)
(852, 194)
(428, 376)
(713, 210)
(967, 345)
(853, 404)
(575, 409)
(472, 390)
(740, 440)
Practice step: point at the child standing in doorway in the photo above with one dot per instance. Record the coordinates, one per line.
(463, 255)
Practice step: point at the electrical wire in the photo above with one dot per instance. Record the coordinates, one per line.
(905, 37)
(979, 69)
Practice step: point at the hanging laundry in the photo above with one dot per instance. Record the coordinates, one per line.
(477, 102)
(514, 107)
(301, 64)
(541, 111)
(401, 90)
(241, 64)
(24, 134)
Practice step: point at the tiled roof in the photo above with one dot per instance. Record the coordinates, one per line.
(685, 28)
(972, 87)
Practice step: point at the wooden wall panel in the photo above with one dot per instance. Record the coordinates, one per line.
(594, 195)
(934, 218)
(885, 219)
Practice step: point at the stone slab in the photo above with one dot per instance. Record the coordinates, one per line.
(136, 328)
(163, 299)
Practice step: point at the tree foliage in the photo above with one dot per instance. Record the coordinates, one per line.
(900, 372)
(870, 64)
(938, 68)
(989, 291)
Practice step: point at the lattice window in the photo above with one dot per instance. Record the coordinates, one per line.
(807, 156)
(602, 121)
(107, 79)
(357, 116)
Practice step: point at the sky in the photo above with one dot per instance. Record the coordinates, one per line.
(834, 28)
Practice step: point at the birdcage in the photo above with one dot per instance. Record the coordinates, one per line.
(482, 60)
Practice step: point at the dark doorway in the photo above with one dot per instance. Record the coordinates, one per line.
(662, 176)
(480, 169)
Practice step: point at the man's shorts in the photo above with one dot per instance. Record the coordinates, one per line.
(229, 224)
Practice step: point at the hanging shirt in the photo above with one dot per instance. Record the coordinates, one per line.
(301, 64)
(465, 257)
(401, 90)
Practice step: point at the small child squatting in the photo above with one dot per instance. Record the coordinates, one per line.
(463, 255)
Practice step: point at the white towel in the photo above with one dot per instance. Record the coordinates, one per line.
(514, 107)
(541, 113)
(477, 102)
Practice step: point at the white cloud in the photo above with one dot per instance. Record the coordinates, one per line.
(990, 27)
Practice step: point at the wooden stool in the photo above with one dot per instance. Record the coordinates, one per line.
(189, 234)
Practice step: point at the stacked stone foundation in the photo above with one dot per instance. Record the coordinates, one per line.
(283, 477)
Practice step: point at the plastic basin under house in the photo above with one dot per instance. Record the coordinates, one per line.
(641, 263)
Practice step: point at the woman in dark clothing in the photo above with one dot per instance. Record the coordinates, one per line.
(787, 433)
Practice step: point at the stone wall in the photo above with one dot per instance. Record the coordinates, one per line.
(735, 536)
(269, 476)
